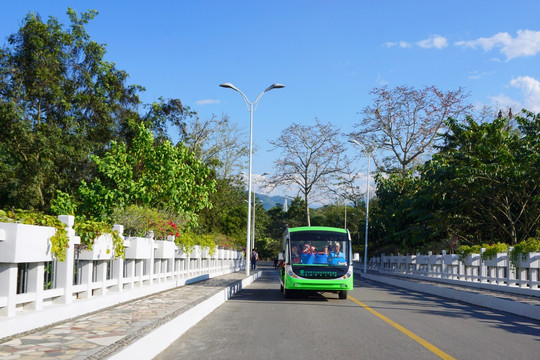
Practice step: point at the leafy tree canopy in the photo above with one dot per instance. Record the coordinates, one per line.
(60, 102)
(148, 173)
(481, 187)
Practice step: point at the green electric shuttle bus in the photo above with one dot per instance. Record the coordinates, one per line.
(316, 258)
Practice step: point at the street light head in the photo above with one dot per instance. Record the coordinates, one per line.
(230, 86)
(274, 86)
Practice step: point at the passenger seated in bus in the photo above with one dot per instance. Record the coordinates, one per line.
(321, 257)
(336, 257)
(295, 256)
(307, 254)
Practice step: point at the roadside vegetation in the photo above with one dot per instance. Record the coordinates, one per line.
(76, 140)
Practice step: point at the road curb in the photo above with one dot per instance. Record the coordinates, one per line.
(513, 307)
(158, 340)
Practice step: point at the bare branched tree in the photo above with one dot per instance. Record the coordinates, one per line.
(217, 143)
(348, 184)
(405, 121)
(309, 155)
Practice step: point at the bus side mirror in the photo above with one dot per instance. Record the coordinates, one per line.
(281, 257)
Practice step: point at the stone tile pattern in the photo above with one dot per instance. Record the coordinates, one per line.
(101, 334)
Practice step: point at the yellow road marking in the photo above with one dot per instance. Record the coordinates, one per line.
(409, 333)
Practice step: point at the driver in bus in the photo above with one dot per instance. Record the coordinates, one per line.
(295, 256)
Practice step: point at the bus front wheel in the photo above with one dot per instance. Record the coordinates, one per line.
(343, 294)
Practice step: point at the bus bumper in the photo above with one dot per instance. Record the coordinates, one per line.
(299, 283)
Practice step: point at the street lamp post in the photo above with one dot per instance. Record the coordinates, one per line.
(250, 106)
(253, 220)
(368, 155)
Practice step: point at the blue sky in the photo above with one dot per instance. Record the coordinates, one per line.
(328, 54)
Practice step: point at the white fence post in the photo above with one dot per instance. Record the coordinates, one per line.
(65, 269)
(8, 288)
(35, 285)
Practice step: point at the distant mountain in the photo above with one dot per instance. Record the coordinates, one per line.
(271, 201)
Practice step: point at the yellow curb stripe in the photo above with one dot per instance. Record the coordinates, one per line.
(409, 333)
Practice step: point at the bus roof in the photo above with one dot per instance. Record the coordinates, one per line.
(318, 228)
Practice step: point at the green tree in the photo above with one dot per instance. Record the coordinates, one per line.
(147, 173)
(228, 215)
(490, 173)
(394, 193)
(279, 220)
(334, 215)
(60, 102)
(481, 187)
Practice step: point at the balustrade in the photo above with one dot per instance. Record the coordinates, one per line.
(472, 269)
(31, 279)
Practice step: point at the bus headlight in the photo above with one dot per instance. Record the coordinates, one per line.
(291, 273)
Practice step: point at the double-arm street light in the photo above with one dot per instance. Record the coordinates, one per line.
(251, 107)
(368, 155)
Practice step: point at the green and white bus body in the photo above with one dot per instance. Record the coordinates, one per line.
(312, 260)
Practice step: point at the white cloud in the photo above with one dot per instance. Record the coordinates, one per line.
(434, 41)
(401, 44)
(475, 75)
(404, 45)
(505, 102)
(531, 90)
(381, 81)
(526, 43)
(207, 102)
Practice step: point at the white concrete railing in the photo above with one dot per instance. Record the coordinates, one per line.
(31, 280)
(497, 273)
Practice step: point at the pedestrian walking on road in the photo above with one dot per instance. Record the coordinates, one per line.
(275, 262)
(254, 258)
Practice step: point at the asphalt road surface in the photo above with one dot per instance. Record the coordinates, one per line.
(375, 322)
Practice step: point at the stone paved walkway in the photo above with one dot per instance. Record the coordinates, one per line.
(101, 334)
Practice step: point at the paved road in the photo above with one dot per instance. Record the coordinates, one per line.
(375, 322)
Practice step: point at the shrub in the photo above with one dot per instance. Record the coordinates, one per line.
(140, 221)
(465, 250)
(59, 241)
(89, 231)
(493, 250)
(188, 240)
(63, 204)
(521, 250)
(224, 241)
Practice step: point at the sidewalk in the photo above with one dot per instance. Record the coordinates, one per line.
(523, 305)
(139, 329)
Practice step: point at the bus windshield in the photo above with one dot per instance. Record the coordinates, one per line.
(319, 248)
